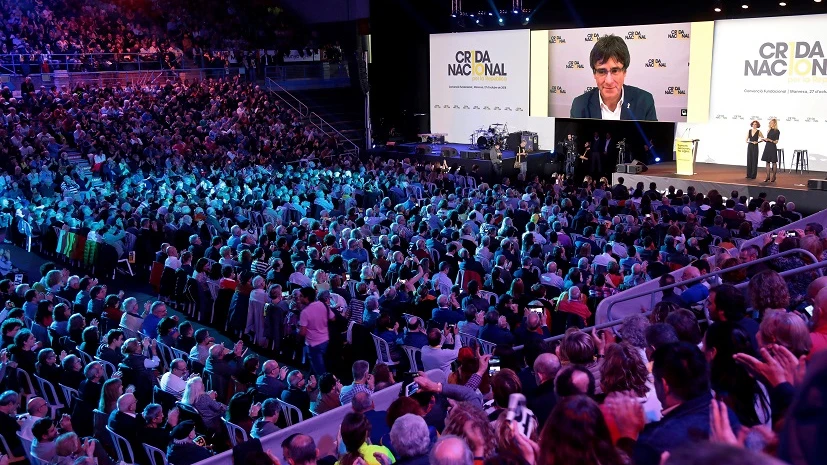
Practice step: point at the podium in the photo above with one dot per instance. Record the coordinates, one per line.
(685, 152)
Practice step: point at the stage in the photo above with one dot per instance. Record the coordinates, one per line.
(540, 162)
(726, 178)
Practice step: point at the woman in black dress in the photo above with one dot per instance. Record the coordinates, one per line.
(771, 149)
(753, 137)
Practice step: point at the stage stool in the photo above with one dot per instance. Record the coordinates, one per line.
(801, 162)
(780, 153)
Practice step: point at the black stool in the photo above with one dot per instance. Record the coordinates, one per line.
(780, 153)
(801, 161)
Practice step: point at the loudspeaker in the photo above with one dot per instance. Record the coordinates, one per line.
(817, 185)
(469, 155)
(621, 168)
(449, 152)
(423, 149)
(635, 169)
(532, 141)
(643, 166)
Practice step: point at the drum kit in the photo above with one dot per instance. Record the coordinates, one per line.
(496, 134)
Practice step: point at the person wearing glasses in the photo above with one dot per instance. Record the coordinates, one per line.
(175, 380)
(611, 99)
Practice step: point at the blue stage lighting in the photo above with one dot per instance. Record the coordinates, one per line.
(500, 20)
(657, 159)
(515, 12)
(478, 21)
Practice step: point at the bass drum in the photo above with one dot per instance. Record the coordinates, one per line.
(485, 142)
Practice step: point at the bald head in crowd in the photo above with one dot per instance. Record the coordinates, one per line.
(690, 272)
(816, 286)
(127, 403)
(451, 450)
(546, 367)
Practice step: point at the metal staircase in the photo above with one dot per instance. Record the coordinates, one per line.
(82, 167)
(352, 142)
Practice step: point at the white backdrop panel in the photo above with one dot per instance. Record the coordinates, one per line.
(766, 68)
(477, 79)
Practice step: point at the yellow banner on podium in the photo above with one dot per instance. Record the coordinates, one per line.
(685, 156)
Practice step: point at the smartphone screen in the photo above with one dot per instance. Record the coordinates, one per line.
(809, 310)
(411, 389)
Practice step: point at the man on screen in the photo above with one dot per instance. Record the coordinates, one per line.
(611, 99)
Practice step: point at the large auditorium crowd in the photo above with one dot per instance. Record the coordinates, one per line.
(476, 290)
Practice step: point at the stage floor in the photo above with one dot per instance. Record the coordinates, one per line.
(539, 162)
(726, 178)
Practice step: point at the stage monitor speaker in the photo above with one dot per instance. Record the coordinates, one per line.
(621, 168)
(643, 166)
(470, 155)
(817, 185)
(449, 152)
(532, 141)
(423, 149)
(634, 169)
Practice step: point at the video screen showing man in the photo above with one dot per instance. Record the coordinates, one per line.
(611, 99)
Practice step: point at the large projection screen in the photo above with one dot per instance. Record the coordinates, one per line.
(766, 68)
(478, 79)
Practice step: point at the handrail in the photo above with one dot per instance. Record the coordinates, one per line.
(621, 298)
(609, 324)
(354, 148)
(793, 272)
(299, 107)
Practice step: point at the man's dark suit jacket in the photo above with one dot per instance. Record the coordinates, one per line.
(126, 426)
(637, 105)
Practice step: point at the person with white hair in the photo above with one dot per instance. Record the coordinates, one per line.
(259, 294)
(298, 277)
(411, 440)
(575, 304)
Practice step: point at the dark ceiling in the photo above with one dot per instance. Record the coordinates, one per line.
(593, 13)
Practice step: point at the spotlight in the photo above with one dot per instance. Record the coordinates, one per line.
(471, 15)
(490, 14)
(500, 20)
(782, 3)
(453, 16)
(657, 159)
(817, 1)
(745, 6)
(526, 20)
(515, 12)
(717, 9)
(478, 21)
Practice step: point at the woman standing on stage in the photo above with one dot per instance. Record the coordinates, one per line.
(753, 137)
(771, 149)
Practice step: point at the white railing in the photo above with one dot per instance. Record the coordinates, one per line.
(299, 107)
(289, 99)
(813, 267)
(328, 129)
(644, 295)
